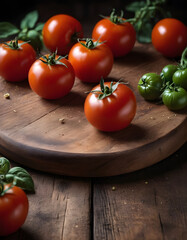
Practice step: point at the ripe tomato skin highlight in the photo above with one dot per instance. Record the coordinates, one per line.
(119, 37)
(112, 113)
(15, 63)
(91, 64)
(60, 32)
(169, 37)
(14, 207)
(51, 81)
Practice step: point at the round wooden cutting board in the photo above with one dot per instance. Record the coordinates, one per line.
(54, 136)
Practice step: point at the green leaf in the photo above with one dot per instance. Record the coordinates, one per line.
(4, 165)
(7, 29)
(135, 6)
(21, 178)
(29, 20)
(144, 34)
(39, 27)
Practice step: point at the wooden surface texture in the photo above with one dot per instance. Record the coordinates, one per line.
(31, 133)
(149, 204)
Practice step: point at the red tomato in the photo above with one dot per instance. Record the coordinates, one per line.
(14, 207)
(15, 62)
(169, 37)
(120, 37)
(90, 64)
(60, 32)
(51, 80)
(112, 113)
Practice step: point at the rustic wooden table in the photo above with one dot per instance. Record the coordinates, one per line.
(147, 204)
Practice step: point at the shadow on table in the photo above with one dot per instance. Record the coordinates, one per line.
(176, 164)
(22, 233)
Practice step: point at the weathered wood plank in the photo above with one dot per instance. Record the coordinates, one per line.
(59, 210)
(145, 205)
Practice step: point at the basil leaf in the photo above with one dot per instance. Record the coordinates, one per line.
(135, 6)
(21, 178)
(7, 29)
(4, 166)
(29, 20)
(39, 27)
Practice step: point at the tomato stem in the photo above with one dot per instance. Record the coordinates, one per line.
(105, 90)
(2, 190)
(183, 61)
(89, 43)
(114, 17)
(52, 60)
(1, 187)
(13, 44)
(148, 11)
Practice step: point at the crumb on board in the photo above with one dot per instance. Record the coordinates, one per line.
(7, 95)
(62, 120)
(14, 111)
(152, 118)
(146, 182)
(113, 188)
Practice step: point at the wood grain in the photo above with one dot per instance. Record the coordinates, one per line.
(149, 204)
(31, 133)
(145, 205)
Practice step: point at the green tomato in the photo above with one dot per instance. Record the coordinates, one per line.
(167, 73)
(175, 98)
(180, 78)
(150, 85)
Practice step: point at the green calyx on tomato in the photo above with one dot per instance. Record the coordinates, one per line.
(150, 85)
(52, 60)
(90, 44)
(174, 97)
(105, 90)
(3, 190)
(114, 17)
(13, 44)
(17, 176)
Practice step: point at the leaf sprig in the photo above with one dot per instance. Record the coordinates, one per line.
(146, 14)
(29, 30)
(17, 176)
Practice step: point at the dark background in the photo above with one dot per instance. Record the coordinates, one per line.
(85, 11)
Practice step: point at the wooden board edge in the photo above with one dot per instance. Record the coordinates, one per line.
(94, 165)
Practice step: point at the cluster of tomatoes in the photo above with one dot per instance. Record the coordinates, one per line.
(52, 76)
(170, 85)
